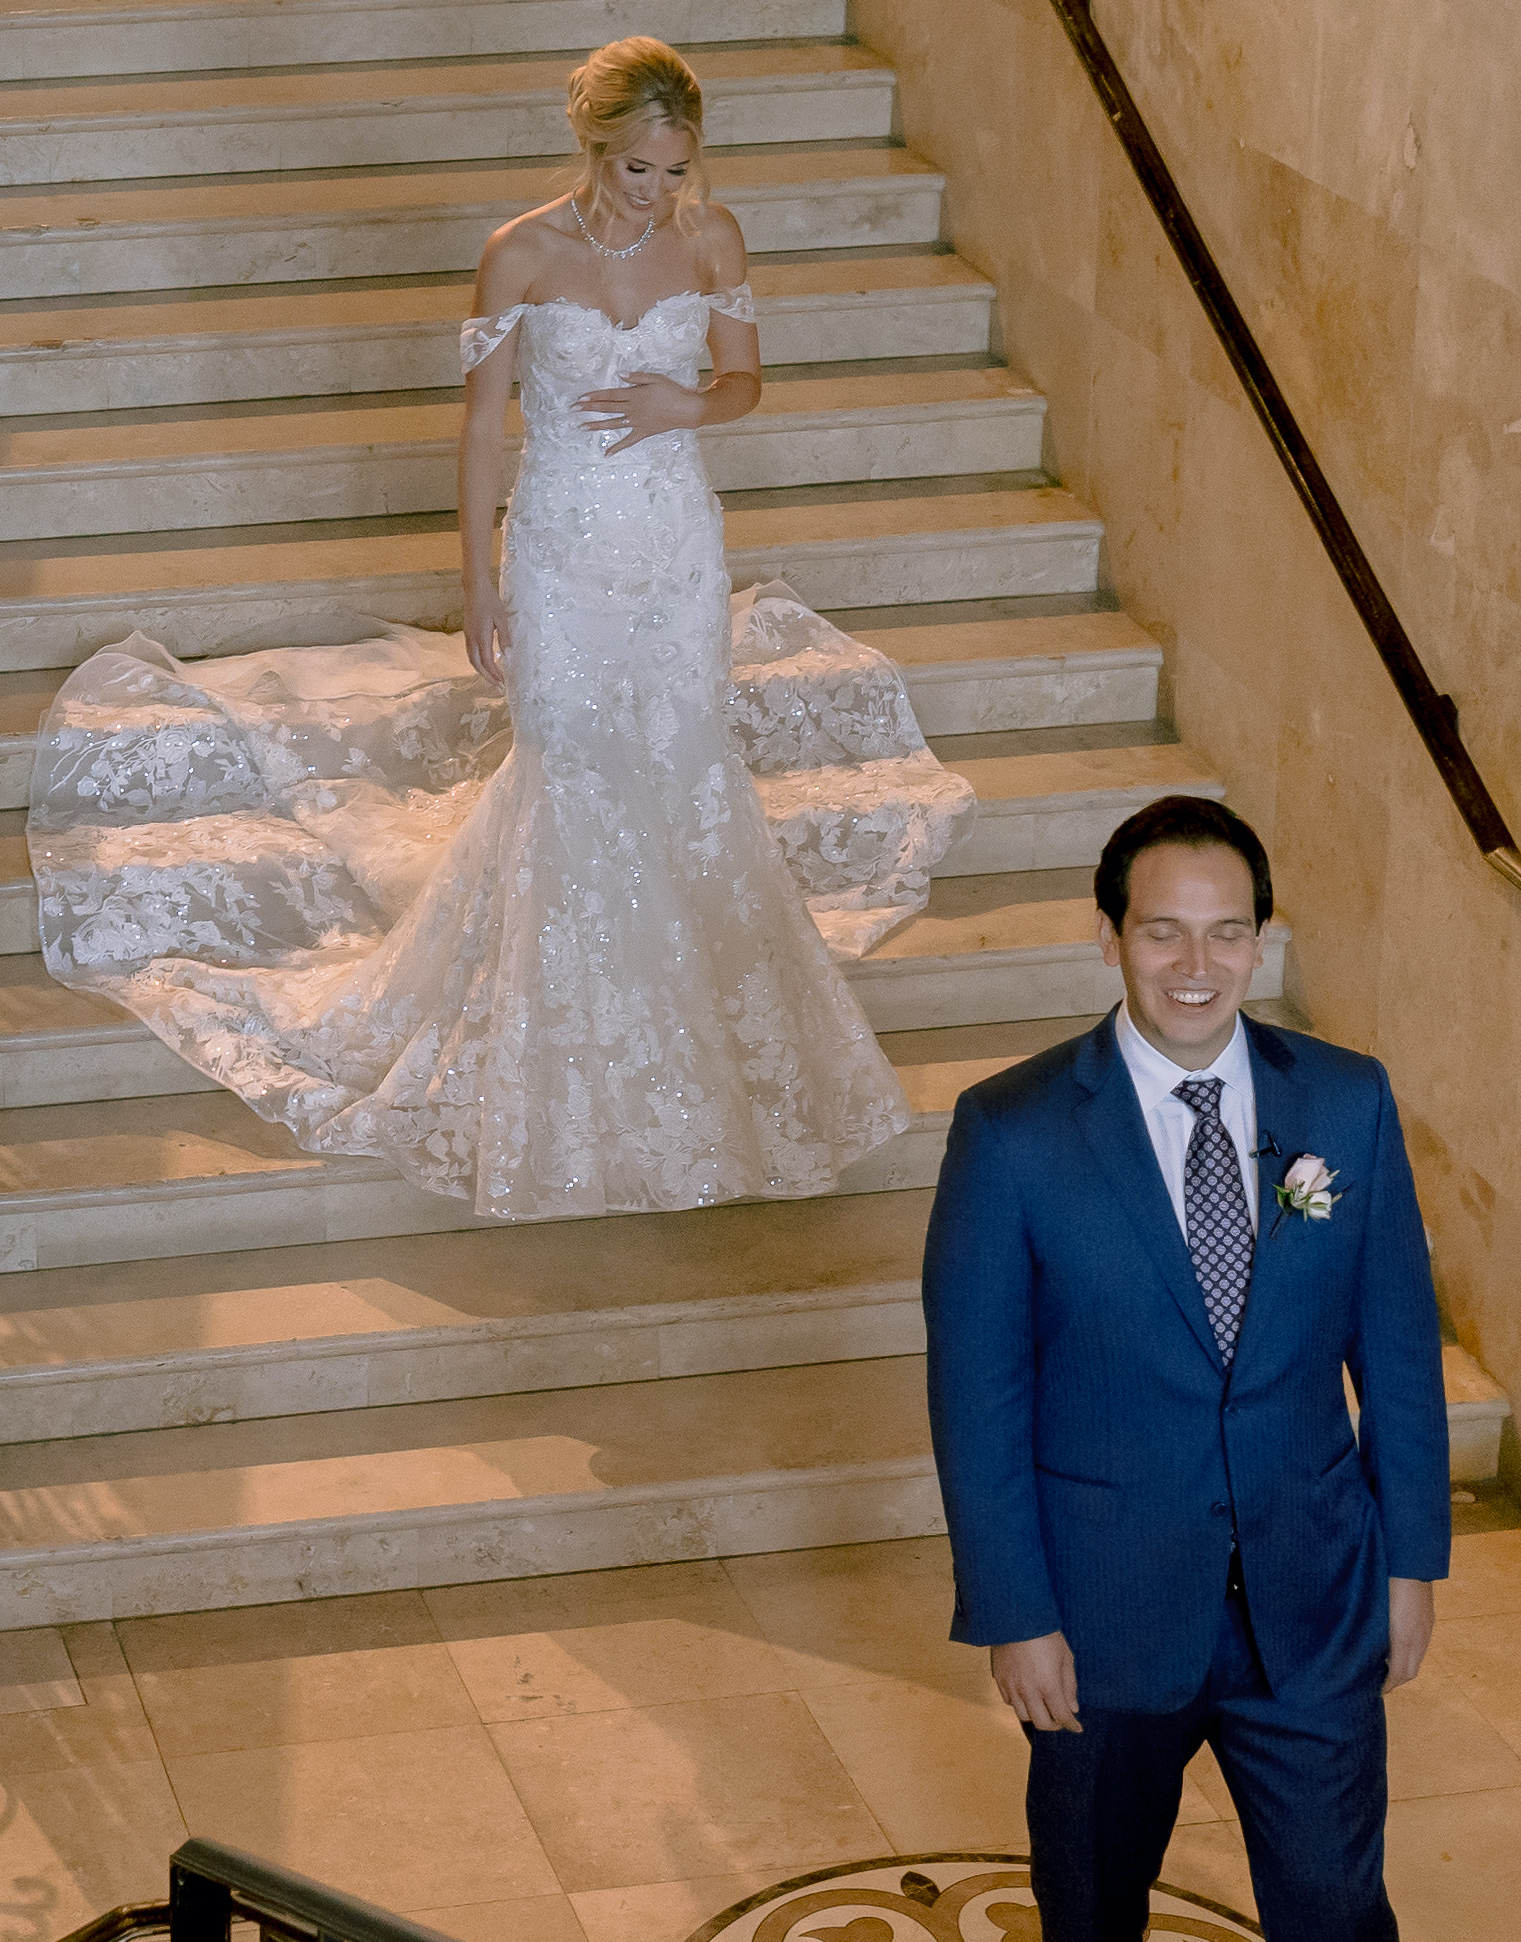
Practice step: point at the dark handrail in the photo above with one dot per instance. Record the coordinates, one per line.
(209, 1884)
(212, 1886)
(1433, 714)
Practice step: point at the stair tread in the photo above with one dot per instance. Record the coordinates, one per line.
(279, 308)
(68, 38)
(1009, 646)
(100, 12)
(107, 441)
(949, 930)
(345, 89)
(423, 1456)
(1094, 637)
(1012, 782)
(829, 1247)
(1030, 778)
(185, 1138)
(137, 562)
(503, 190)
(101, 1146)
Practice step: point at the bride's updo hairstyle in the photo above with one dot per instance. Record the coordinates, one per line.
(626, 87)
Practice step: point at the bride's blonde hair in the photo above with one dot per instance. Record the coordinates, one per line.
(624, 88)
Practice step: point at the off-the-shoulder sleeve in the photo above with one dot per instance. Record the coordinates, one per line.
(738, 303)
(479, 336)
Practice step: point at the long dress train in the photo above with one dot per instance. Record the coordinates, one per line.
(566, 955)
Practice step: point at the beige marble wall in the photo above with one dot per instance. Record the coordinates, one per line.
(1356, 167)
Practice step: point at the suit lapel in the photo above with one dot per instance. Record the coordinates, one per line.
(1283, 1110)
(1115, 1128)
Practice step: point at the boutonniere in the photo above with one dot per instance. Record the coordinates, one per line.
(1306, 1190)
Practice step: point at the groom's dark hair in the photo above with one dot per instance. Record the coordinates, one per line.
(1191, 820)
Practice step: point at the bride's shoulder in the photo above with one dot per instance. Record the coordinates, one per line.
(517, 254)
(721, 246)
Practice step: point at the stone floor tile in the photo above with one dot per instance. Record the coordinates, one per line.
(1441, 1743)
(942, 1767)
(1203, 1781)
(35, 1673)
(109, 1729)
(1480, 1659)
(536, 1648)
(668, 1911)
(1210, 1859)
(277, 1675)
(540, 1918)
(1485, 1580)
(844, 1614)
(78, 1840)
(410, 1820)
(1454, 1867)
(679, 1792)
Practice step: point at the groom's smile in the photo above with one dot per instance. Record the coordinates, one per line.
(1187, 948)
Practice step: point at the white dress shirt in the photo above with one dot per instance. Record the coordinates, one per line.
(1170, 1123)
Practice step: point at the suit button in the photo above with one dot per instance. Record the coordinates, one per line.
(1219, 1510)
(1233, 1409)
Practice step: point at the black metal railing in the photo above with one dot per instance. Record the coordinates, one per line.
(211, 1887)
(1434, 715)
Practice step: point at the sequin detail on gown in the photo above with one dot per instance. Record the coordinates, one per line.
(548, 956)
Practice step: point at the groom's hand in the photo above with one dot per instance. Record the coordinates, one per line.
(1038, 1678)
(1412, 1614)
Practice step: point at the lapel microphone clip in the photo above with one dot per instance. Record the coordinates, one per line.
(1266, 1146)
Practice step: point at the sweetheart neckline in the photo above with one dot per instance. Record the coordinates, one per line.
(596, 310)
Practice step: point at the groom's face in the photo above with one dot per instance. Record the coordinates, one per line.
(1188, 948)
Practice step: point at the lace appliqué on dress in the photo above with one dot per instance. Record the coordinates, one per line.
(479, 336)
(555, 967)
(738, 303)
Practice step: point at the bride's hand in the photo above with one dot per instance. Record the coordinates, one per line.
(648, 404)
(486, 635)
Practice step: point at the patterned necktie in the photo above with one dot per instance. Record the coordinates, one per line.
(1220, 1236)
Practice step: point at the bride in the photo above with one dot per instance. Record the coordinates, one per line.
(597, 975)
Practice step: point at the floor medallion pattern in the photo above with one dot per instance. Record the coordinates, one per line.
(937, 1898)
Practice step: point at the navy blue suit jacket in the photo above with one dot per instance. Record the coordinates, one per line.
(1094, 1453)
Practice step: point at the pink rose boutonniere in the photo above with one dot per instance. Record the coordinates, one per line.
(1306, 1190)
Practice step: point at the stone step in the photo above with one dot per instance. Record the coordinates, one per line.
(294, 1331)
(288, 341)
(86, 37)
(447, 1493)
(372, 222)
(335, 117)
(199, 1172)
(360, 459)
(298, 1331)
(1035, 811)
(964, 676)
(839, 547)
(1477, 1411)
(981, 675)
(516, 1485)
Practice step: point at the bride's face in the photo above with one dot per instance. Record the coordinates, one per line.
(647, 177)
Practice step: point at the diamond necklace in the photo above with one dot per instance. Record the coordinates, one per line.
(602, 248)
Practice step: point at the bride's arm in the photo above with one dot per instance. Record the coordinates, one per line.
(736, 386)
(499, 284)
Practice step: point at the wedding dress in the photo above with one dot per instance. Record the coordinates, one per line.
(569, 954)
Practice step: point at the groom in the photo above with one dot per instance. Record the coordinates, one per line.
(1162, 1522)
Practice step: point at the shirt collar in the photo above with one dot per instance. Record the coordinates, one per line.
(1154, 1076)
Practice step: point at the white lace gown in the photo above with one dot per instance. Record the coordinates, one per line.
(569, 955)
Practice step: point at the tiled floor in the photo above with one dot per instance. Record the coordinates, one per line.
(618, 1756)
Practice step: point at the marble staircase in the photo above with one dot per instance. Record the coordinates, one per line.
(235, 241)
